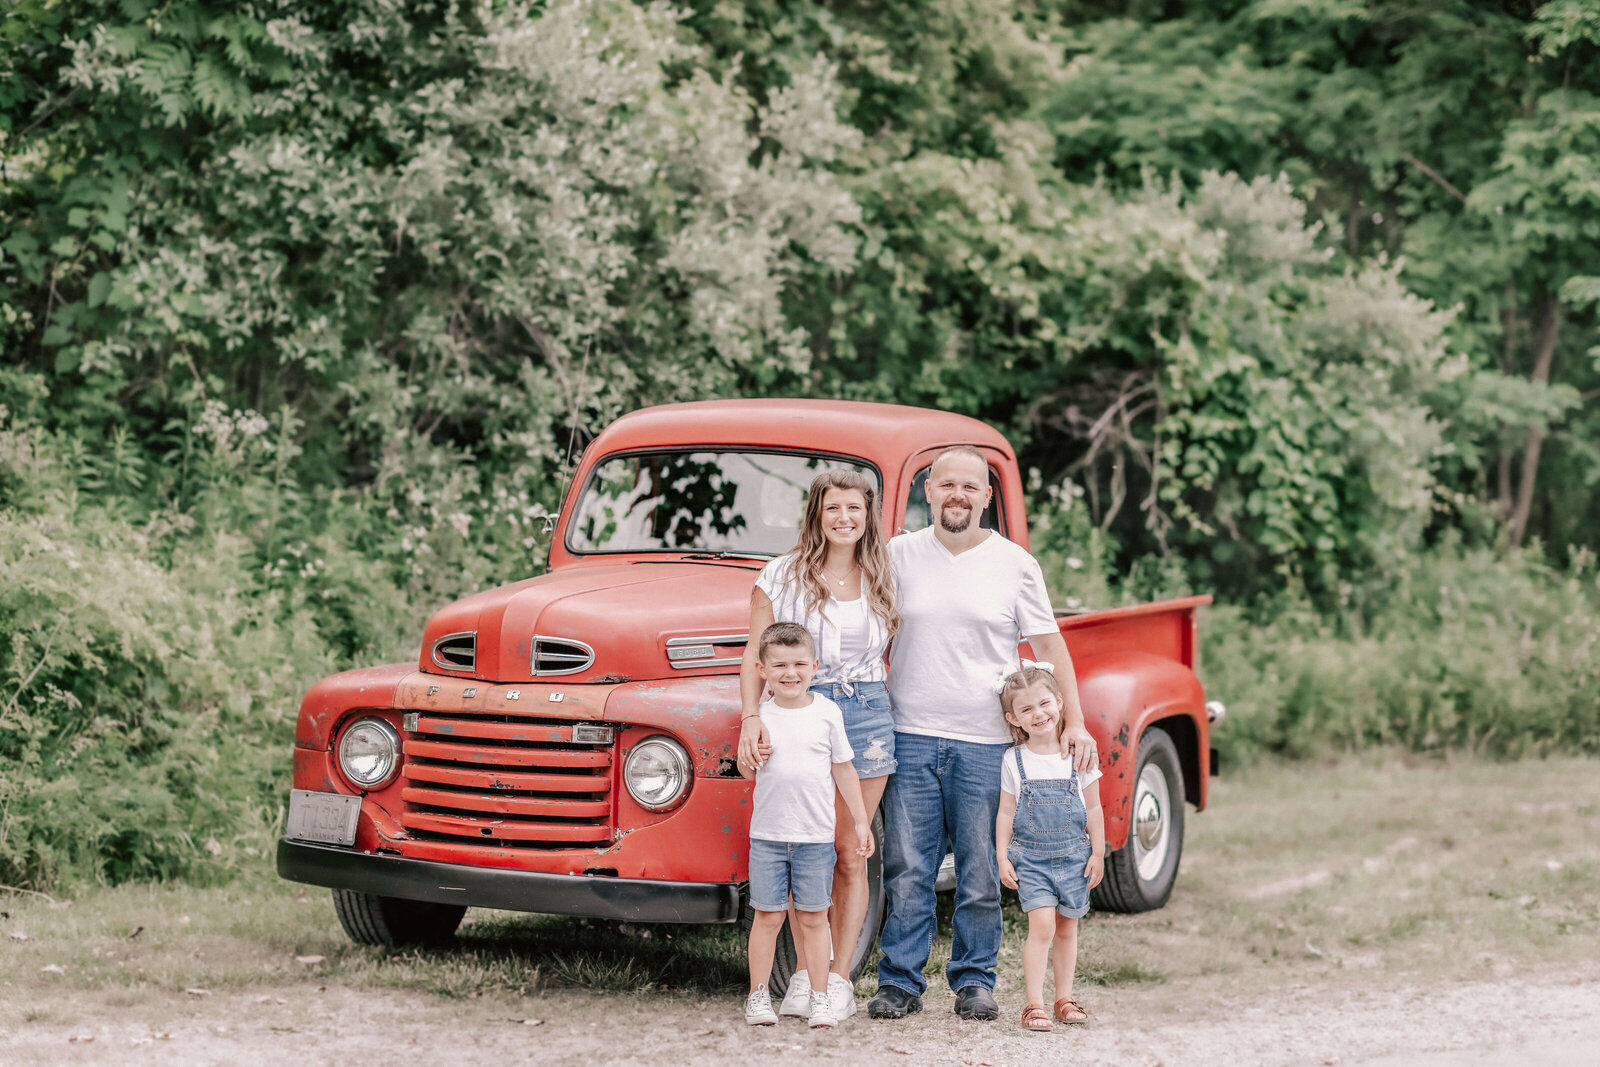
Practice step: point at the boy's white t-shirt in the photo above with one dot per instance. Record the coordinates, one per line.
(794, 791)
(962, 617)
(1041, 767)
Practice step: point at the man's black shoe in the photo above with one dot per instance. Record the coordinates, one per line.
(976, 1002)
(892, 1002)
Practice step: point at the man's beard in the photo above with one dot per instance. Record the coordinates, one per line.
(954, 527)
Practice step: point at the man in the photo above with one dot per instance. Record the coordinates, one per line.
(967, 596)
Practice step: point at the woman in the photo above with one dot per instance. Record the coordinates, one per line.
(837, 584)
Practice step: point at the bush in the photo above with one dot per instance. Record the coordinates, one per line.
(154, 658)
(1457, 648)
(1465, 650)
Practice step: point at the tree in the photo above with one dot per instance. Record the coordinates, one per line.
(434, 230)
(1456, 138)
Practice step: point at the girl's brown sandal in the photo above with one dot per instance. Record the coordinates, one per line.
(1034, 1017)
(1070, 1011)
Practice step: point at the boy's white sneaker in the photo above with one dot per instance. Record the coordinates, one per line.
(758, 1008)
(797, 1000)
(821, 1010)
(841, 996)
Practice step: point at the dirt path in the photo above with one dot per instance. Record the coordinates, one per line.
(1545, 1019)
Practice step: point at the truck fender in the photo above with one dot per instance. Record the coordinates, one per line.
(326, 703)
(1123, 694)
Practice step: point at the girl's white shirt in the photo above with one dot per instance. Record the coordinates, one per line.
(1042, 768)
(859, 660)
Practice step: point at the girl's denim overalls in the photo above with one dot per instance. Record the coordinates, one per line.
(1050, 843)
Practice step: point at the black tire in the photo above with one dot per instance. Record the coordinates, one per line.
(786, 960)
(384, 921)
(1125, 889)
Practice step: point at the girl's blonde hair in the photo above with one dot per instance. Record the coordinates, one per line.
(872, 554)
(1027, 678)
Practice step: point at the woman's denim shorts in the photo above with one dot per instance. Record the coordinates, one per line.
(781, 869)
(1052, 882)
(868, 724)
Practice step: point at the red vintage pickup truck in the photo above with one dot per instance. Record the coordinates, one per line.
(566, 743)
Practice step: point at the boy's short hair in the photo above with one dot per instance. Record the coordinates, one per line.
(787, 634)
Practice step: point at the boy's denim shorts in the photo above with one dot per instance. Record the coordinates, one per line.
(779, 870)
(1052, 882)
(868, 723)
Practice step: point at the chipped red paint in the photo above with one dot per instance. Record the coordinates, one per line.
(1123, 694)
(1134, 667)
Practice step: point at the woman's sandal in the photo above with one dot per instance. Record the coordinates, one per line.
(1070, 1011)
(1034, 1017)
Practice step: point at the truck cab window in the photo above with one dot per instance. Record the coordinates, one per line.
(919, 516)
(739, 502)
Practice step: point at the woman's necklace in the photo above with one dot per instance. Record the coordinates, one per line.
(840, 581)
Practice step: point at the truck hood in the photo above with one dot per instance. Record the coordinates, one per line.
(624, 613)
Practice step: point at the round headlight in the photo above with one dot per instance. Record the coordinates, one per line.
(369, 752)
(657, 773)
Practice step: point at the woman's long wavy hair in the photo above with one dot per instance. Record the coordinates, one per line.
(872, 554)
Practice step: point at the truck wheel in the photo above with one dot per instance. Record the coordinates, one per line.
(1140, 875)
(385, 921)
(786, 960)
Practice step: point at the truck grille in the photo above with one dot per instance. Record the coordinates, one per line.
(507, 781)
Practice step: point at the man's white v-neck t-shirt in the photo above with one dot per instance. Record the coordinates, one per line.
(962, 617)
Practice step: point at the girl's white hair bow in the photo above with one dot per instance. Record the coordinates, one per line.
(1037, 664)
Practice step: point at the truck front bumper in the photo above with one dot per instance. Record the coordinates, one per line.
(598, 897)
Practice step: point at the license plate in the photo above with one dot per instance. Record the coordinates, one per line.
(326, 817)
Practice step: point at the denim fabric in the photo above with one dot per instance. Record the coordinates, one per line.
(868, 723)
(779, 869)
(1053, 881)
(1050, 844)
(943, 788)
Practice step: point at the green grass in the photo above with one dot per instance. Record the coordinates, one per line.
(1380, 870)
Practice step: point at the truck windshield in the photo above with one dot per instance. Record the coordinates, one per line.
(749, 503)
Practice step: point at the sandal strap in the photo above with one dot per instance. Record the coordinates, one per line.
(1068, 1002)
(1034, 1017)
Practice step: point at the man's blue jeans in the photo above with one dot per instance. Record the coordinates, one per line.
(943, 788)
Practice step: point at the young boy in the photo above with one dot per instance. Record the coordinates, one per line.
(792, 824)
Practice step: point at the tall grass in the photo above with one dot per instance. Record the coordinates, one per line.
(1467, 650)
(155, 641)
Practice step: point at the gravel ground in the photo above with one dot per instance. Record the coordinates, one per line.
(1544, 1019)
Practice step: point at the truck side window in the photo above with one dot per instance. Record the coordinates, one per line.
(919, 515)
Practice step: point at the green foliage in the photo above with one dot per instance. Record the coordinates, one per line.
(152, 667)
(306, 306)
(1461, 649)
(1451, 649)
(1455, 140)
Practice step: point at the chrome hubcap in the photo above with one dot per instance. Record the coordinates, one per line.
(1151, 842)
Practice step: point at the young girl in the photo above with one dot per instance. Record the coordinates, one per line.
(1050, 839)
